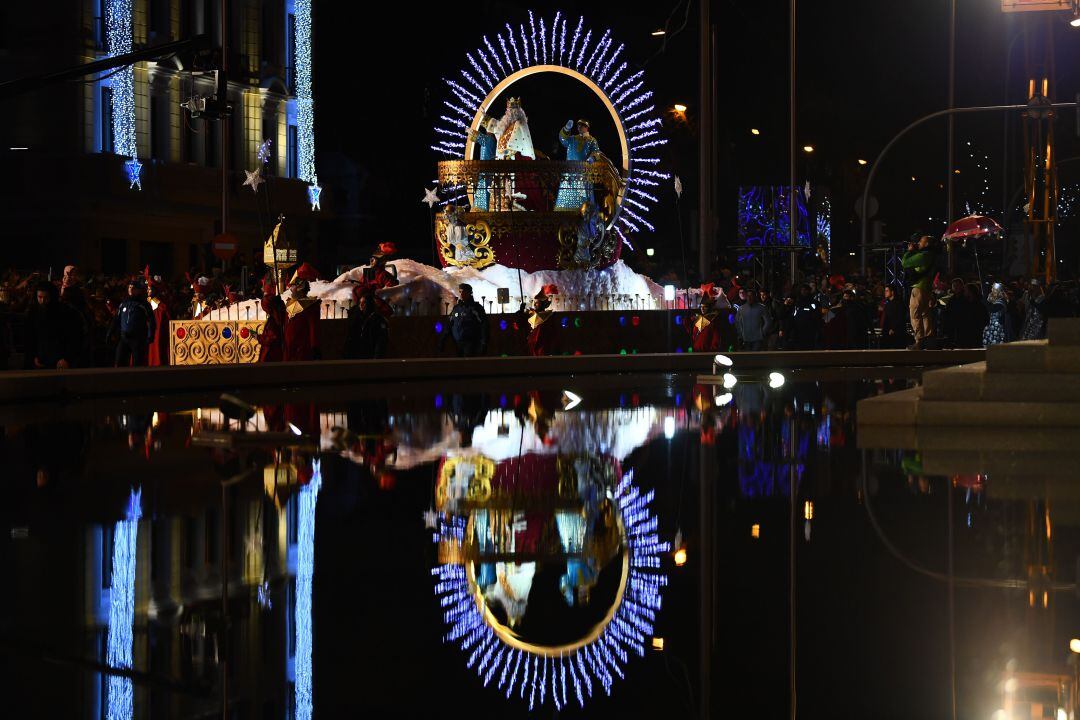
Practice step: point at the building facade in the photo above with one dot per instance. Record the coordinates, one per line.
(72, 201)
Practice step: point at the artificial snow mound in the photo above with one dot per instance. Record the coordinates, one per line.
(423, 289)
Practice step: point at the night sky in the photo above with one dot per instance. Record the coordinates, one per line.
(865, 70)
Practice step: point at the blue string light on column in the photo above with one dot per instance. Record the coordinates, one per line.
(305, 103)
(119, 38)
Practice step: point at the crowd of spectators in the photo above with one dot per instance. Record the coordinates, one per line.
(837, 312)
(100, 321)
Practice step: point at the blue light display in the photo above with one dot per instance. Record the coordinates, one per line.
(598, 661)
(120, 699)
(305, 573)
(119, 39)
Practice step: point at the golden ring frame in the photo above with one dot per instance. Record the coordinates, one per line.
(511, 638)
(512, 78)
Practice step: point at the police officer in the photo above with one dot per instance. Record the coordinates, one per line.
(467, 325)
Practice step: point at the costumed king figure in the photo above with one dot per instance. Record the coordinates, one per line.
(158, 352)
(590, 235)
(302, 313)
(485, 141)
(514, 143)
(467, 325)
(456, 237)
(542, 333)
(272, 338)
(573, 191)
(705, 330)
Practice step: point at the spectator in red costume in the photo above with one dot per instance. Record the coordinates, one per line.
(542, 333)
(157, 353)
(272, 337)
(302, 317)
(705, 328)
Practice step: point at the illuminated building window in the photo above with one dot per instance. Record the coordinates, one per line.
(105, 141)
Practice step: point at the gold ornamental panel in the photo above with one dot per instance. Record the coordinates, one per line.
(213, 342)
(480, 254)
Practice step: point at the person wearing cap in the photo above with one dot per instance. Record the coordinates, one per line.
(542, 334)
(467, 325)
(134, 326)
(573, 191)
(918, 263)
(302, 317)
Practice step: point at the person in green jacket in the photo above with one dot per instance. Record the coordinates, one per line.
(919, 261)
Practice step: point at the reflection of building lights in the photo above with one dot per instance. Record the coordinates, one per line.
(680, 557)
(1074, 645)
(808, 148)
(1011, 685)
(729, 381)
(776, 379)
(808, 510)
(295, 430)
(305, 574)
(669, 293)
(722, 400)
(755, 131)
(755, 531)
(1046, 598)
(669, 427)
(118, 652)
(658, 643)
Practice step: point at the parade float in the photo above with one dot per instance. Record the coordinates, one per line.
(510, 220)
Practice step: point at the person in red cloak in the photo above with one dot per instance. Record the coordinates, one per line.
(157, 354)
(377, 277)
(542, 333)
(302, 317)
(272, 337)
(705, 327)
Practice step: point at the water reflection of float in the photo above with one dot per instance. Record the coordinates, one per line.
(549, 567)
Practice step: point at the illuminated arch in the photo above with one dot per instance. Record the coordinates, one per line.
(598, 65)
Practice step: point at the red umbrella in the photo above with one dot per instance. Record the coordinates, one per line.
(972, 226)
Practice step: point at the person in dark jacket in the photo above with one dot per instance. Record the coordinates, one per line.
(54, 332)
(467, 325)
(134, 325)
(368, 333)
(805, 326)
(894, 318)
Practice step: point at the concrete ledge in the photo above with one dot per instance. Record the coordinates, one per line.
(1063, 331)
(973, 383)
(59, 385)
(891, 409)
(1033, 356)
(1026, 415)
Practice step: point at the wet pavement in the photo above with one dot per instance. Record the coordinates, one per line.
(566, 546)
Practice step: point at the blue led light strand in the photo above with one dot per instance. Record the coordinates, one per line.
(305, 103)
(305, 574)
(118, 653)
(118, 28)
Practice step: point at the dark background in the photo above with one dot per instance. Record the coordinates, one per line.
(865, 70)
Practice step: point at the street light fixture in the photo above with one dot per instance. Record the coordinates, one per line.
(658, 33)
(861, 161)
(680, 108)
(755, 131)
(808, 148)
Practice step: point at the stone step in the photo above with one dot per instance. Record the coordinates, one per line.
(972, 383)
(1033, 356)
(1064, 331)
(1024, 416)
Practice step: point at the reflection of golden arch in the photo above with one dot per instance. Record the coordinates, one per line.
(512, 639)
(525, 72)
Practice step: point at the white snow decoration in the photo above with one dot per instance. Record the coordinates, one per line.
(434, 289)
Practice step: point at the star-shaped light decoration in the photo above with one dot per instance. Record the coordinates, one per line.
(678, 187)
(133, 168)
(431, 518)
(254, 179)
(431, 197)
(264, 151)
(313, 193)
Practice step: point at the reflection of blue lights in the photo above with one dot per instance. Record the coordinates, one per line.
(438, 401)
(438, 328)
(120, 699)
(305, 572)
(597, 661)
